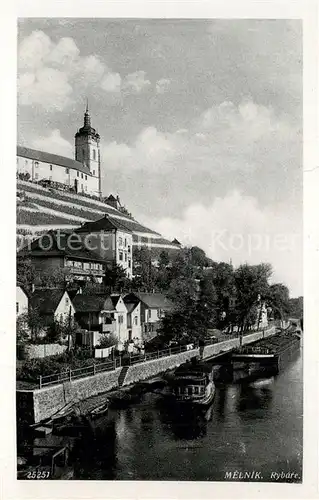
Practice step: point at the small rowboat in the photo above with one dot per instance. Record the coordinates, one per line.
(99, 410)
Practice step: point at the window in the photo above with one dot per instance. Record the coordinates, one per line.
(125, 257)
(120, 319)
(69, 263)
(81, 176)
(66, 301)
(120, 241)
(83, 153)
(17, 307)
(86, 188)
(86, 177)
(135, 320)
(149, 313)
(121, 256)
(77, 174)
(196, 390)
(66, 170)
(94, 154)
(82, 187)
(93, 172)
(129, 249)
(125, 242)
(36, 164)
(129, 263)
(51, 168)
(36, 176)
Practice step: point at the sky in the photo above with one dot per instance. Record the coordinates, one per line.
(200, 124)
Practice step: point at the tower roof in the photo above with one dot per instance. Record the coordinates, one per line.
(87, 129)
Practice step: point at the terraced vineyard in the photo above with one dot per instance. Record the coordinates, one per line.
(41, 209)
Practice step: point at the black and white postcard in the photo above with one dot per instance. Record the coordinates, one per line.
(159, 312)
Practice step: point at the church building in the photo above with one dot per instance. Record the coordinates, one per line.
(81, 175)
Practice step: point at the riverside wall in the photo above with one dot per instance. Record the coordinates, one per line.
(39, 404)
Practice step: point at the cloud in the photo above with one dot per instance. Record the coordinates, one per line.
(162, 85)
(236, 227)
(224, 138)
(150, 149)
(112, 82)
(50, 73)
(136, 82)
(54, 143)
(46, 87)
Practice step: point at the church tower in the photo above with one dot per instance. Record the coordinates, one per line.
(87, 148)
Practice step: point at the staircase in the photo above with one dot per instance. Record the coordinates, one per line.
(122, 375)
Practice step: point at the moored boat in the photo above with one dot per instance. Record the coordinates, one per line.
(193, 384)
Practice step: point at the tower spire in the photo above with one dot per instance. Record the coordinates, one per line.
(87, 118)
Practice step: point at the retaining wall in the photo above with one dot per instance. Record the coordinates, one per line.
(49, 400)
(154, 367)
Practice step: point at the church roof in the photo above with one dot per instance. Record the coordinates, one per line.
(63, 161)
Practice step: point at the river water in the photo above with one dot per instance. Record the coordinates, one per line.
(249, 427)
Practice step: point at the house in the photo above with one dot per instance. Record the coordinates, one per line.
(134, 320)
(111, 240)
(22, 300)
(102, 313)
(64, 251)
(52, 304)
(153, 307)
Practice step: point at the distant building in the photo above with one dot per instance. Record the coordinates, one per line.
(82, 174)
(53, 304)
(57, 251)
(22, 300)
(111, 240)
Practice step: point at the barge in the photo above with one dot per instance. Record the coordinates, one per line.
(193, 384)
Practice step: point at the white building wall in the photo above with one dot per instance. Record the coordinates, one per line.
(22, 301)
(152, 315)
(124, 251)
(136, 322)
(121, 321)
(39, 170)
(63, 310)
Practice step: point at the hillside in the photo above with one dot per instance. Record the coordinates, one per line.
(40, 209)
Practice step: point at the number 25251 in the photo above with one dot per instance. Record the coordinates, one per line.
(38, 474)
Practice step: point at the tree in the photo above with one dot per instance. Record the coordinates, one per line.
(25, 272)
(64, 329)
(251, 283)
(278, 299)
(144, 271)
(22, 329)
(116, 279)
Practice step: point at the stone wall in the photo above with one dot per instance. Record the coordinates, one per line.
(51, 399)
(154, 367)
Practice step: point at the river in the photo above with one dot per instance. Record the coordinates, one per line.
(249, 427)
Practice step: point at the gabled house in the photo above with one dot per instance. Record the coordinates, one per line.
(153, 307)
(22, 300)
(52, 304)
(112, 241)
(102, 313)
(134, 323)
